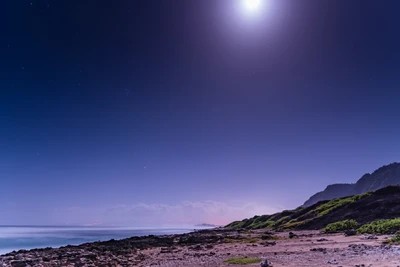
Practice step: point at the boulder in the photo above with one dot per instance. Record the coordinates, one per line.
(266, 263)
(350, 232)
(291, 235)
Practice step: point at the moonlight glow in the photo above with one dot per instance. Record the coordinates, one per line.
(252, 5)
(253, 8)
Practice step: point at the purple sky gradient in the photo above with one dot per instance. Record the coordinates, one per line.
(188, 112)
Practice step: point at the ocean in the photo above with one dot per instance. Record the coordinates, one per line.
(29, 237)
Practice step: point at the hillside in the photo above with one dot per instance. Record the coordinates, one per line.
(382, 177)
(364, 208)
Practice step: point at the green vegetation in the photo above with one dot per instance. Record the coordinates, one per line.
(243, 260)
(393, 240)
(257, 222)
(334, 204)
(292, 224)
(283, 219)
(319, 215)
(266, 224)
(236, 224)
(302, 216)
(242, 240)
(260, 222)
(341, 226)
(376, 227)
(292, 219)
(380, 227)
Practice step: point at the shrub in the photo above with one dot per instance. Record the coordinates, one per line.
(380, 227)
(242, 260)
(393, 240)
(341, 226)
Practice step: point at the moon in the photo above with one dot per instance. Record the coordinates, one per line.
(253, 9)
(252, 5)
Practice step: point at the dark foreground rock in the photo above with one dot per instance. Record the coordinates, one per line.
(125, 252)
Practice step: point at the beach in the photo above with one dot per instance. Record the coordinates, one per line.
(217, 248)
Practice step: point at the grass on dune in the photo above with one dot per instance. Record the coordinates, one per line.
(341, 226)
(242, 240)
(380, 227)
(339, 202)
(242, 261)
(393, 240)
(292, 219)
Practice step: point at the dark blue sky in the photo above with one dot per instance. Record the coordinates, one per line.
(138, 112)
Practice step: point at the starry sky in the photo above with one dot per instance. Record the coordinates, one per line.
(182, 112)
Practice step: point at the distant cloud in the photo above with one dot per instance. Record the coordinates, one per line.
(187, 212)
(139, 214)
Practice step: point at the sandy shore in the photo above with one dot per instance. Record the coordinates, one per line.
(212, 248)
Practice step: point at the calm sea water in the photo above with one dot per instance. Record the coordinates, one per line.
(28, 237)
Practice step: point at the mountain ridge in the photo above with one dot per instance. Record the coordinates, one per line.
(366, 208)
(382, 177)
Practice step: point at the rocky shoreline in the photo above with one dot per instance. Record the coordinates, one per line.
(125, 252)
(214, 248)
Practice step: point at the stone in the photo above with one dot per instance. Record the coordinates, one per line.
(265, 263)
(291, 235)
(350, 232)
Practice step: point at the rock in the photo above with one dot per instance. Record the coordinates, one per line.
(19, 263)
(267, 244)
(140, 257)
(319, 249)
(322, 240)
(265, 263)
(350, 232)
(291, 235)
(196, 247)
(267, 237)
(166, 250)
(371, 237)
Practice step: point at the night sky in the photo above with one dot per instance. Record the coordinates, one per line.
(186, 111)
